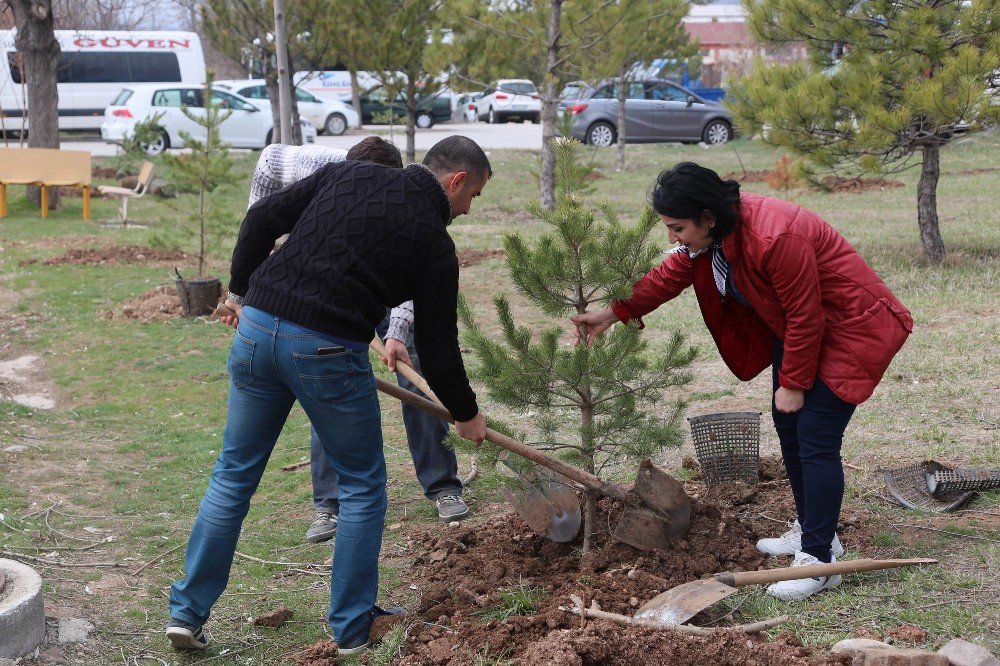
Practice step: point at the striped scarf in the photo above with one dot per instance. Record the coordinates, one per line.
(720, 265)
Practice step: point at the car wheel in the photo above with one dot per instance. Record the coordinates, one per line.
(491, 117)
(716, 132)
(425, 120)
(536, 120)
(158, 146)
(601, 134)
(336, 124)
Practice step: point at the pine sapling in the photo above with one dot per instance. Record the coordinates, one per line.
(597, 406)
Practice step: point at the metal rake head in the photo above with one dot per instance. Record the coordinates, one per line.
(908, 485)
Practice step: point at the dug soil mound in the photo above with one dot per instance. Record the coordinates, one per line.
(158, 304)
(473, 257)
(466, 571)
(111, 254)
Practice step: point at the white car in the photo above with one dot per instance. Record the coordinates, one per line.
(246, 127)
(510, 98)
(329, 116)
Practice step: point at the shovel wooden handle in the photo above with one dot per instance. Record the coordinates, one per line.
(742, 578)
(585, 479)
(405, 369)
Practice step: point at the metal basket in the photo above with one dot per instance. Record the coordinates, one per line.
(908, 485)
(727, 446)
(960, 480)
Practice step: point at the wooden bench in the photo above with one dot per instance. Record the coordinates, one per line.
(45, 167)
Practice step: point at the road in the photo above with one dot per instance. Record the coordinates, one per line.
(508, 135)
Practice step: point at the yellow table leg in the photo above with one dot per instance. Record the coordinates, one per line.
(45, 202)
(3, 200)
(86, 202)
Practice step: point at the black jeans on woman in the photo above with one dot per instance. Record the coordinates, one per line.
(811, 439)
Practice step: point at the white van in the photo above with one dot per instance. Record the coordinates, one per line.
(94, 67)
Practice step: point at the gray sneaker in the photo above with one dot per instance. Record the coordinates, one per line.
(323, 528)
(451, 507)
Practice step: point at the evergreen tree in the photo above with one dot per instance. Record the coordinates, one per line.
(206, 167)
(889, 82)
(594, 402)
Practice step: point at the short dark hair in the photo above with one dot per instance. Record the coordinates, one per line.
(378, 150)
(457, 153)
(688, 190)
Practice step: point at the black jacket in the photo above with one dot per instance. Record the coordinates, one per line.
(362, 237)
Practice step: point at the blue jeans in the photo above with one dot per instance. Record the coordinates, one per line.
(435, 463)
(272, 364)
(811, 439)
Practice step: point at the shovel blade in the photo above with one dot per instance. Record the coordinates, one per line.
(666, 513)
(554, 514)
(679, 604)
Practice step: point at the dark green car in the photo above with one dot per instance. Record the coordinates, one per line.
(434, 108)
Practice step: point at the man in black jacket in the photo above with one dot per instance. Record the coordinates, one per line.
(362, 237)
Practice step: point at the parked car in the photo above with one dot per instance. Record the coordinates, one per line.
(572, 91)
(656, 110)
(507, 99)
(247, 126)
(328, 116)
(465, 107)
(433, 108)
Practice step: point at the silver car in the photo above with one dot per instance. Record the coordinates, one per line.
(656, 110)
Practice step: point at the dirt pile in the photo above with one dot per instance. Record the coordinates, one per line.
(473, 257)
(467, 570)
(158, 304)
(322, 653)
(111, 254)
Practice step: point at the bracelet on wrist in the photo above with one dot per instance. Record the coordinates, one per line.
(235, 298)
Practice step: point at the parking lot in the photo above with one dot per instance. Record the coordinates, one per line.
(506, 135)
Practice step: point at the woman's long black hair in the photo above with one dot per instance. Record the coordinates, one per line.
(688, 189)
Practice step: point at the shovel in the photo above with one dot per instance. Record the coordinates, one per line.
(679, 604)
(657, 512)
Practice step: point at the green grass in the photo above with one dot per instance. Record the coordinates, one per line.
(520, 600)
(141, 410)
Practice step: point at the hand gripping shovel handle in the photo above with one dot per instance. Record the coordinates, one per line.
(585, 479)
(742, 578)
(406, 370)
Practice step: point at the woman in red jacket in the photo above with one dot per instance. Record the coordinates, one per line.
(777, 286)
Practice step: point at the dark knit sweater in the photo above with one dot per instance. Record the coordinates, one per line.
(362, 237)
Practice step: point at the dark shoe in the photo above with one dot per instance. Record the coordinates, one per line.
(451, 507)
(323, 528)
(184, 636)
(359, 641)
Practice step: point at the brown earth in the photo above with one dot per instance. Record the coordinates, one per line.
(464, 570)
(838, 184)
(111, 254)
(758, 176)
(321, 653)
(158, 304)
(473, 257)
(274, 618)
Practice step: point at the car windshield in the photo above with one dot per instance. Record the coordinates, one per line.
(519, 87)
(571, 91)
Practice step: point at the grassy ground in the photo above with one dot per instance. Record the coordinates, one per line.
(102, 499)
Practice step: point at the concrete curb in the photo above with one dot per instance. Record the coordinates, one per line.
(22, 611)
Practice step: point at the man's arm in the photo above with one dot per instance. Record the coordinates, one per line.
(436, 308)
(266, 221)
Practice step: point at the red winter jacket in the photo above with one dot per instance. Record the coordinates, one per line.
(805, 284)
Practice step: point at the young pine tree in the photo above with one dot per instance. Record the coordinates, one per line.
(206, 167)
(600, 405)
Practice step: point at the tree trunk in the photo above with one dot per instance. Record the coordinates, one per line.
(297, 138)
(622, 97)
(590, 498)
(271, 81)
(547, 178)
(284, 80)
(927, 216)
(411, 119)
(37, 43)
(356, 96)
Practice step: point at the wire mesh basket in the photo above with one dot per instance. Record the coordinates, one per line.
(727, 446)
(908, 485)
(959, 479)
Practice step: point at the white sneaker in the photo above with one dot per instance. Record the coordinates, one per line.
(790, 542)
(796, 590)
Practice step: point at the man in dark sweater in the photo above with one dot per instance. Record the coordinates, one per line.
(362, 237)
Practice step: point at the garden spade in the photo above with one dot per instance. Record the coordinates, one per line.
(679, 604)
(656, 512)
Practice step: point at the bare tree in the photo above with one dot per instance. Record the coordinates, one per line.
(102, 14)
(38, 53)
